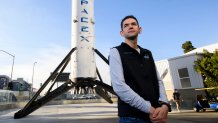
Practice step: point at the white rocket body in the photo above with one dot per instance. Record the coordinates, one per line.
(83, 59)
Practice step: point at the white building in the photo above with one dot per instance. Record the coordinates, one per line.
(180, 74)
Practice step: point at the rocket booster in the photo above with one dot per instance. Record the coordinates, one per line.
(83, 59)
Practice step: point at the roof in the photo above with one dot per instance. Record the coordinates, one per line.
(198, 51)
(210, 48)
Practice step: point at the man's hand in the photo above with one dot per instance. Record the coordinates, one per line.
(159, 115)
(152, 110)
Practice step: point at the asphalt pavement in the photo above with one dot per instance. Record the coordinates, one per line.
(97, 113)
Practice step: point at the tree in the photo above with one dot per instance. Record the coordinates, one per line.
(187, 46)
(207, 66)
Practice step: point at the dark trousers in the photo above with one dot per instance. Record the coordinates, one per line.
(132, 120)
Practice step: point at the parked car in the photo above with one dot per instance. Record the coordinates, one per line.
(204, 104)
(214, 105)
(201, 105)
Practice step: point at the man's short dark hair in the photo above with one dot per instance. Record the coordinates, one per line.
(127, 17)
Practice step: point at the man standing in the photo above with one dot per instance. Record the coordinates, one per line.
(141, 93)
(177, 99)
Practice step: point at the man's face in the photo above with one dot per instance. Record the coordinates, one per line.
(131, 29)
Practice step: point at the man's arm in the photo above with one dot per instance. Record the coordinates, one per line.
(124, 92)
(163, 96)
(160, 113)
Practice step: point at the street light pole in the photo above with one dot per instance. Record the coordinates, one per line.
(12, 62)
(12, 69)
(33, 74)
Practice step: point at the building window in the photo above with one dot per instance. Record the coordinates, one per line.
(184, 77)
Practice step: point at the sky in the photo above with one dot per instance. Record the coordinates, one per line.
(40, 31)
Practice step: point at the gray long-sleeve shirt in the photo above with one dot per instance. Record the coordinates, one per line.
(124, 92)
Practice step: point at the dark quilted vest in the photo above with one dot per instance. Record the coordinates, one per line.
(140, 74)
